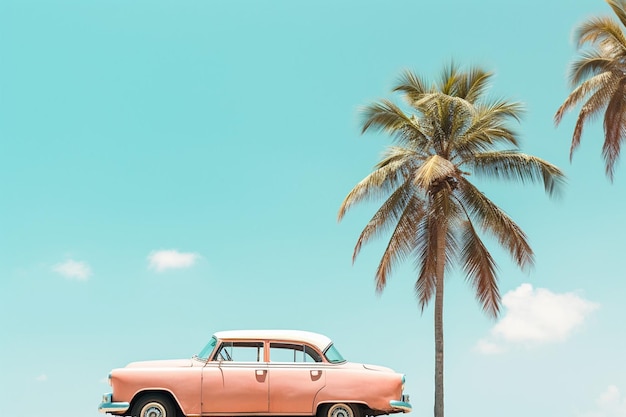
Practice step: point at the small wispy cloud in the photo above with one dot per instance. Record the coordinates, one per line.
(74, 270)
(41, 378)
(534, 317)
(163, 260)
(489, 348)
(611, 403)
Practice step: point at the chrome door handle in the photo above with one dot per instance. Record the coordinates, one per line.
(260, 372)
(316, 373)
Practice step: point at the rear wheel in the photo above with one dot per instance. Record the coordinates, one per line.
(153, 405)
(341, 410)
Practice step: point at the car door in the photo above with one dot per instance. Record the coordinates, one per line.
(236, 380)
(296, 375)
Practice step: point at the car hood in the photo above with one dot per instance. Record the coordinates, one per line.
(171, 363)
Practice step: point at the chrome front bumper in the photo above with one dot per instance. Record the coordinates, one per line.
(108, 406)
(403, 405)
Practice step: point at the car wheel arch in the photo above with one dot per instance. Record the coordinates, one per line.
(358, 408)
(157, 392)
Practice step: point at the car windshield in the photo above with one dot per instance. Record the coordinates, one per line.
(206, 352)
(333, 355)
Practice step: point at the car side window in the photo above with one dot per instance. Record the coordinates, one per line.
(293, 353)
(240, 352)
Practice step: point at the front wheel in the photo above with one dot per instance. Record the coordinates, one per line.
(153, 406)
(341, 410)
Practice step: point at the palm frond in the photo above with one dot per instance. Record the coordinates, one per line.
(614, 128)
(387, 117)
(377, 184)
(460, 114)
(476, 81)
(501, 110)
(592, 107)
(384, 116)
(412, 86)
(408, 156)
(387, 215)
(619, 8)
(602, 82)
(494, 221)
(402, 241)
(600, 30)
(449, 118)
(483, 140)
(516, 166)
(426, 260)
(488, 127)
(592, 63)
(480, 269)
(449, 80)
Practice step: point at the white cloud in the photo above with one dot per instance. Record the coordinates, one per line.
(609, 397)
(611, 403)
(534, 317)
(488, 348)
(71, 269)
(162, 260)
(42, 378)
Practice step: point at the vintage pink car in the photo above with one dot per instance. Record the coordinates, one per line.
(269, 372)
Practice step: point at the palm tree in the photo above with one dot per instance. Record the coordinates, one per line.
(598, 77)
(431, 209)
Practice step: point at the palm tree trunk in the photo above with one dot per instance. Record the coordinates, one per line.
(441, 263)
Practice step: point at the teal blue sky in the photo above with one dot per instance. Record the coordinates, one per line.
(171, 169)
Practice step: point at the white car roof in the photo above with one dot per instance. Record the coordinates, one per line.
(318, 340)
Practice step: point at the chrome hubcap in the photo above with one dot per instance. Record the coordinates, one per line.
(340, 412)
(153, 411)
